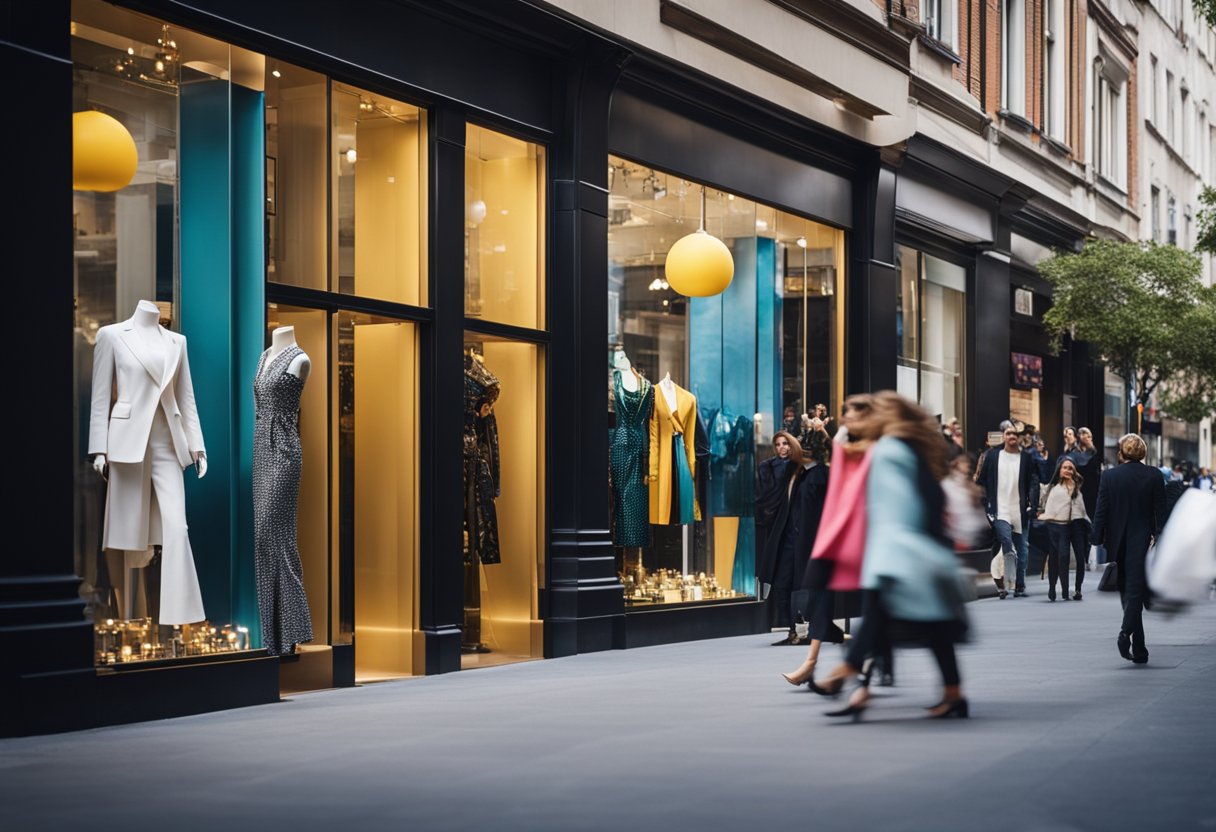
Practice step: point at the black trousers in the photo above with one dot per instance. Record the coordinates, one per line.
(1067, 539)
(874, 639)
(1133, 591)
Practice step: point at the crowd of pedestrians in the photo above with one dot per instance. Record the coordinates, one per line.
(870, 519)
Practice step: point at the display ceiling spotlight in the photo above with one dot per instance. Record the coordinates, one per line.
(802, 242)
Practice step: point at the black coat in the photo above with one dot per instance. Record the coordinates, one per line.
(1089, 466)
(1130, 511)
(797, 523)
(1028, 482)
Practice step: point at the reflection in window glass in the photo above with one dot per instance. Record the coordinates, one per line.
(296, 102)
(504, 517)
(754, 359)
(504, 229)
(377, 488)
(932, 328)
(379, 166)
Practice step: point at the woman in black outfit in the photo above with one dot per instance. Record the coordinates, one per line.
(1130, 512)
(773, 492)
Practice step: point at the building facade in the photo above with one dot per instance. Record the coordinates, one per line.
(462, 210)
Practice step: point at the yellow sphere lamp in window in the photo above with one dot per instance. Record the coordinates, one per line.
(103, 153)
(699, 265)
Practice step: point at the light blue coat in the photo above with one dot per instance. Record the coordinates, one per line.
(917, 574)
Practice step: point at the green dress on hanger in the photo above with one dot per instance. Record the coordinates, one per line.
(629, 457)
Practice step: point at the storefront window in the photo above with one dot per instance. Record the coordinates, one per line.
(504, 229)
(932, 327)
(504, 498)
(379, 196)
(698, 386)
(377, 487)
(180, 97)
(296, 118)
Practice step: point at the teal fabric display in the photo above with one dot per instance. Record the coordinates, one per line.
(685, 489)
(629, 455)
(743, 576)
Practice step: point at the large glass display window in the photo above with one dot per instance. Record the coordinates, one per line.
(379, 169)
(376, 498)
(698, 386)
(504, 530)
(504, 229)
(155, 586)
(931, 317)
(504, 398)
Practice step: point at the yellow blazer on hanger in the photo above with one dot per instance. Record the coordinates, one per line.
(664, 426)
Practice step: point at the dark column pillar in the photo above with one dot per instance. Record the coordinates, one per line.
(871, 286)
(583, 604)
(47, 671)
(988, 316)
(441, 561)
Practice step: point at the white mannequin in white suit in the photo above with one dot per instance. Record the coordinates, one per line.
(145, 440)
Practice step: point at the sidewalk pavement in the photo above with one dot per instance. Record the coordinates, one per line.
(1064, 735)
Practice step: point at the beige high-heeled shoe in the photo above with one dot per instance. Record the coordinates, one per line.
(802, 675)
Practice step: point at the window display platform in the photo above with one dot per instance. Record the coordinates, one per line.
(180, 687)
(670, 623)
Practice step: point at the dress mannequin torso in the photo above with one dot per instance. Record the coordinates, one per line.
(668, 388)
(281, 339)
(629, 380)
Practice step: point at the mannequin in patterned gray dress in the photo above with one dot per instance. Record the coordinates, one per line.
(277, 462)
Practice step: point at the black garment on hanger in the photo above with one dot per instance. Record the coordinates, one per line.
(481, 461)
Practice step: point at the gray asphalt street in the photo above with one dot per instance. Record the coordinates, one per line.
(1064, 735)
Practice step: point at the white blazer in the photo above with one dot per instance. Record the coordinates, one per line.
(122, 361)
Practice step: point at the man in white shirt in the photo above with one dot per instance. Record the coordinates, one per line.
(1008, 477)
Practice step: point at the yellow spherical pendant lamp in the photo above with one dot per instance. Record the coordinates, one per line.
(699, 264)
(103, 153)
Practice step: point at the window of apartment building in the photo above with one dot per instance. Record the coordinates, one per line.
(939, 19)
(1185, 149)
(1013, 50)
(1169, 106)
(1053, 66)
(1171, 221)
(1109, 120)
(1154, 114)
(1155, 212)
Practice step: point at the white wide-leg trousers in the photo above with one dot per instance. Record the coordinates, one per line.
(146, 505)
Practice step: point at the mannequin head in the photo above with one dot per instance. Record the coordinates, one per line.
(620, 361)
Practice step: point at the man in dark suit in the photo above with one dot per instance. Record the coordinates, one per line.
(1130, 513)
(1010, 479)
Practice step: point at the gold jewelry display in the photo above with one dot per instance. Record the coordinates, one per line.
(139, 640)
(669, 586)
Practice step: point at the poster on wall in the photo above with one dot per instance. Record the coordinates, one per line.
(1027, 371)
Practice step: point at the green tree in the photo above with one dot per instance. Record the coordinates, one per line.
(1205, 239)
(1206, 10)
(1145, 310)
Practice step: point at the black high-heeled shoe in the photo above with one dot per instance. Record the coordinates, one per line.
(854, 712)
(957, 707)
(831, 691)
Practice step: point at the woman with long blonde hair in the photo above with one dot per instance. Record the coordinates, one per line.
(909, 571)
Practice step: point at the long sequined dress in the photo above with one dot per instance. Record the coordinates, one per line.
(629, 453)
(277, 463)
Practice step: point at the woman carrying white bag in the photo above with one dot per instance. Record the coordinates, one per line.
(1183, 564)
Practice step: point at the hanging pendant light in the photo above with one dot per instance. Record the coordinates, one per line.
(699, 265)
(103, 153)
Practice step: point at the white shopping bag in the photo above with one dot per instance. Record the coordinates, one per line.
(1183, 566)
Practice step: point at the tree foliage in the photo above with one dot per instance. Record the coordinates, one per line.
(1205, 240)
(1145, 310)
(1206, 10)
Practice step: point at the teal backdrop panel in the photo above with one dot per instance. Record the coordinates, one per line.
(768, 339)
(222, 152)
(249, 327)
(206, 321)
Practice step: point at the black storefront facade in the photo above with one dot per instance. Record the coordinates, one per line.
(484, 92)
(975, 236)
